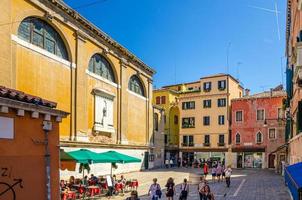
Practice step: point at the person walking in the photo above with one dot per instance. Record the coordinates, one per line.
(207, 194)
(205, 170)
(200, 187)
(218, 172)
(184, 190)
(223, 173)
(155, 190)
(228, 173)
(170, 189)
(213, 171)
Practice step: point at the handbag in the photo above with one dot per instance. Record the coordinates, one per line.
(184, 192)
(158, 191)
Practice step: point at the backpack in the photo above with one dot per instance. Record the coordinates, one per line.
(158, 191)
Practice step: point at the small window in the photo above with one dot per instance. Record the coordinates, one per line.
(188, 105)
(260, 115)
(188, 140)
(221, 102)
(221, 139)
(163, 100)
(221, 119)
(207, 139)
(207, 103)
(221, 85)
(272, 133)
(175, 119)
(135, 85)
(188, 122)
(206, 120)
(207, 86)
(259, 138)
(238, 116)
(237, 138)
(157, 100)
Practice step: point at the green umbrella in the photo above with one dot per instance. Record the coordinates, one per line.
(65, 156)
(116, 157)
(83, 156)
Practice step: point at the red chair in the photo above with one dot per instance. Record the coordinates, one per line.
(69, 195)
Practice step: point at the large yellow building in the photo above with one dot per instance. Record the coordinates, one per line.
(204, 116)
(50, 50)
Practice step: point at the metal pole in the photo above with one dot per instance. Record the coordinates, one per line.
(47, 163)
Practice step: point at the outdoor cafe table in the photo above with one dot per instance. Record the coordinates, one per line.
(94, 190)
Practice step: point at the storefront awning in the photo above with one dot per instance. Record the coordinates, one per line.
(293, 179)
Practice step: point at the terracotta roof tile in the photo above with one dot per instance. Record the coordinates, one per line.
(27, 98)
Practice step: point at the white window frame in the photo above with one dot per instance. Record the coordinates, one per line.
(263, 114)
(261, 137)
(241, 116)
(268, 131)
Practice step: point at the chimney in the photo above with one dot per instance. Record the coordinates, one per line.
(247, 92)
(271, 92)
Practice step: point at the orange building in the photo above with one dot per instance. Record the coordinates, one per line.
(29, 128)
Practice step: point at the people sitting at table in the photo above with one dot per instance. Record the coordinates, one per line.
(84, 181)
(93, 180)
(71, 182)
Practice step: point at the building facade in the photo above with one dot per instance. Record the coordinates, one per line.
(24, 151)
(294, 80)
(50, 50)
(204, 116)
(167, 100)
(258, 130)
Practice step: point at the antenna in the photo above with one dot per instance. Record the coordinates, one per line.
(227, 57)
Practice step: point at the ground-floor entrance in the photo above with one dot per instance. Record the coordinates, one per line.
(250, 159)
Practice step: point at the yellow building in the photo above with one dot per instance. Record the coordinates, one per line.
(167, 99)
(50, 50)
(204, 110)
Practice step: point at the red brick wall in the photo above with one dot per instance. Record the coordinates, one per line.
(249, 127)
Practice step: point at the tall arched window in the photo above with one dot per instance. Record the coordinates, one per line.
(41, 34)
(237, 138)
(136, 86)
(259, 137)
(100, 66)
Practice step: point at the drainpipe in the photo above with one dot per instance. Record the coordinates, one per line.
(47, 126)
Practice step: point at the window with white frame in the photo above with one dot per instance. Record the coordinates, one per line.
(237, 138)
(259, 138)
(272, 133)
(103, 113)
(260, 115)
(238, 116)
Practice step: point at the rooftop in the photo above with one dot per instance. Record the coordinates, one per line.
(26, 98)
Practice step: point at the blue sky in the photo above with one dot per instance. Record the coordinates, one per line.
(184, 40)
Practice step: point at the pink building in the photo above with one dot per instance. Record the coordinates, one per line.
(258, 129)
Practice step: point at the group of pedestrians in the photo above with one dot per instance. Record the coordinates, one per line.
(204, 190)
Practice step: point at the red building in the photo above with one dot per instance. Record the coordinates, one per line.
(258, 129)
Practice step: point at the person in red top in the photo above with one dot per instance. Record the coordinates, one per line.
(205, 170)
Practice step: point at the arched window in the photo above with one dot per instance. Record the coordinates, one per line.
(136, 86)
(100, 66)
(259, 137)
(41, 34)
(237, 138)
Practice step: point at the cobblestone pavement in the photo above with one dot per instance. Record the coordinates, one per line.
(249, 184)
